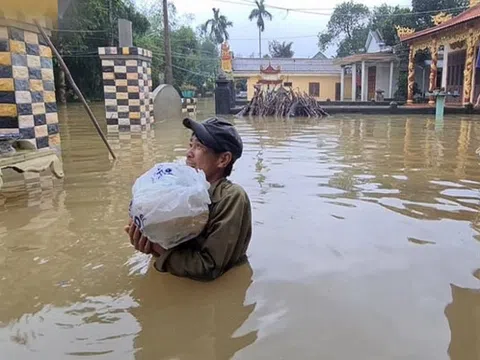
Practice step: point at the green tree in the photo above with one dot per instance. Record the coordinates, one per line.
(386, 17)
(425, 9)
(355, 44)
(260, 13)
(80, 48)
(153, 39)
(184, 52)
(281, 50)
(208, 65)
(218, 25)
(347, 28)
(195, 58)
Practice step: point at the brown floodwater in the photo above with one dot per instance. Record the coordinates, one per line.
(366, 245)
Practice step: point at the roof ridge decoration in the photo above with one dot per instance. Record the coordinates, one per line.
(270, 69)
(468, 16)
(403, 32)
(441, 17)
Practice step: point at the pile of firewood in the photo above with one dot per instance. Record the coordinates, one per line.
(282, 102)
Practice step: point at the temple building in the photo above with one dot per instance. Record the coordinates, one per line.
(456, 39)
(319, 77)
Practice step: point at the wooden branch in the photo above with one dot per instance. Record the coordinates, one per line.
(281, 102)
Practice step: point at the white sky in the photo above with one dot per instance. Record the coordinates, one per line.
(300, 28)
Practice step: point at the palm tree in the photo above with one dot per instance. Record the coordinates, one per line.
(260, 13)
(218, 27)
(281, 49)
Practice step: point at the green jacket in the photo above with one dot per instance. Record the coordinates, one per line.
(222, 244)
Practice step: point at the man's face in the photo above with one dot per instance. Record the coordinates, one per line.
(203, 158)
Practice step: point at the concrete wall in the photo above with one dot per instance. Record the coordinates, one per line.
(422, 78)
(301, 83)
(27, 88)
(127, 84)
(383, 78)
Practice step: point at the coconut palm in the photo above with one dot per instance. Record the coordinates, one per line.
(260, 13)
(218, 27)
(280, 49)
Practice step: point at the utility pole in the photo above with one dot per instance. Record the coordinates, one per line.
(168, 49)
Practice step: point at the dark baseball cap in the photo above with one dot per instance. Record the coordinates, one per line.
(217, 134)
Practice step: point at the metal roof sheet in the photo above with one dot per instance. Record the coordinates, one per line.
(291, 66)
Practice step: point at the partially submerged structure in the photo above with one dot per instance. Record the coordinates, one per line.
(457, 38)
(374, 72)
(27, 100)
(28, 107)
(318, 77)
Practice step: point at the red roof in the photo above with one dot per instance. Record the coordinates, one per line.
(466, 16)
(269, 69)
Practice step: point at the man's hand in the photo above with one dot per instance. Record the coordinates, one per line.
(141, 242)
(138, 240)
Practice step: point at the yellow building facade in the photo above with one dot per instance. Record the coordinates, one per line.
(327, 85)
(319, 78)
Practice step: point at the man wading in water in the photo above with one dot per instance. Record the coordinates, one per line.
(214, 147)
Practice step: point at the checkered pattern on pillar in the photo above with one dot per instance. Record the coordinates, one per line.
(27, 88)
(189, 106)
(127, 84)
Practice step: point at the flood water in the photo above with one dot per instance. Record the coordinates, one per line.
(366, 245)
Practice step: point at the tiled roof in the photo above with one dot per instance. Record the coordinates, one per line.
(468, 15)
(320, 55)
(290, 66)
(374, 57)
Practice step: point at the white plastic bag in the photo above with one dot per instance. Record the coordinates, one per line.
(170, 203)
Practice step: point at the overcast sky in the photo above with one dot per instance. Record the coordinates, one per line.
(301, 28)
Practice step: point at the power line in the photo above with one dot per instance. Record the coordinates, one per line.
(79, 31)
(276, 38)
(308, 11)
(186, 56)
(176, 41)
(249, 2)
(161, 55)
(155, 50)
(193, 72)
(420, 12)
(272, 7)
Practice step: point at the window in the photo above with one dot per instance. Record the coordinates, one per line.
(287, 84)
(314, 89)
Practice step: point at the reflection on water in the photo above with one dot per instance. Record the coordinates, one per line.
(463, 315)
(366, 245)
